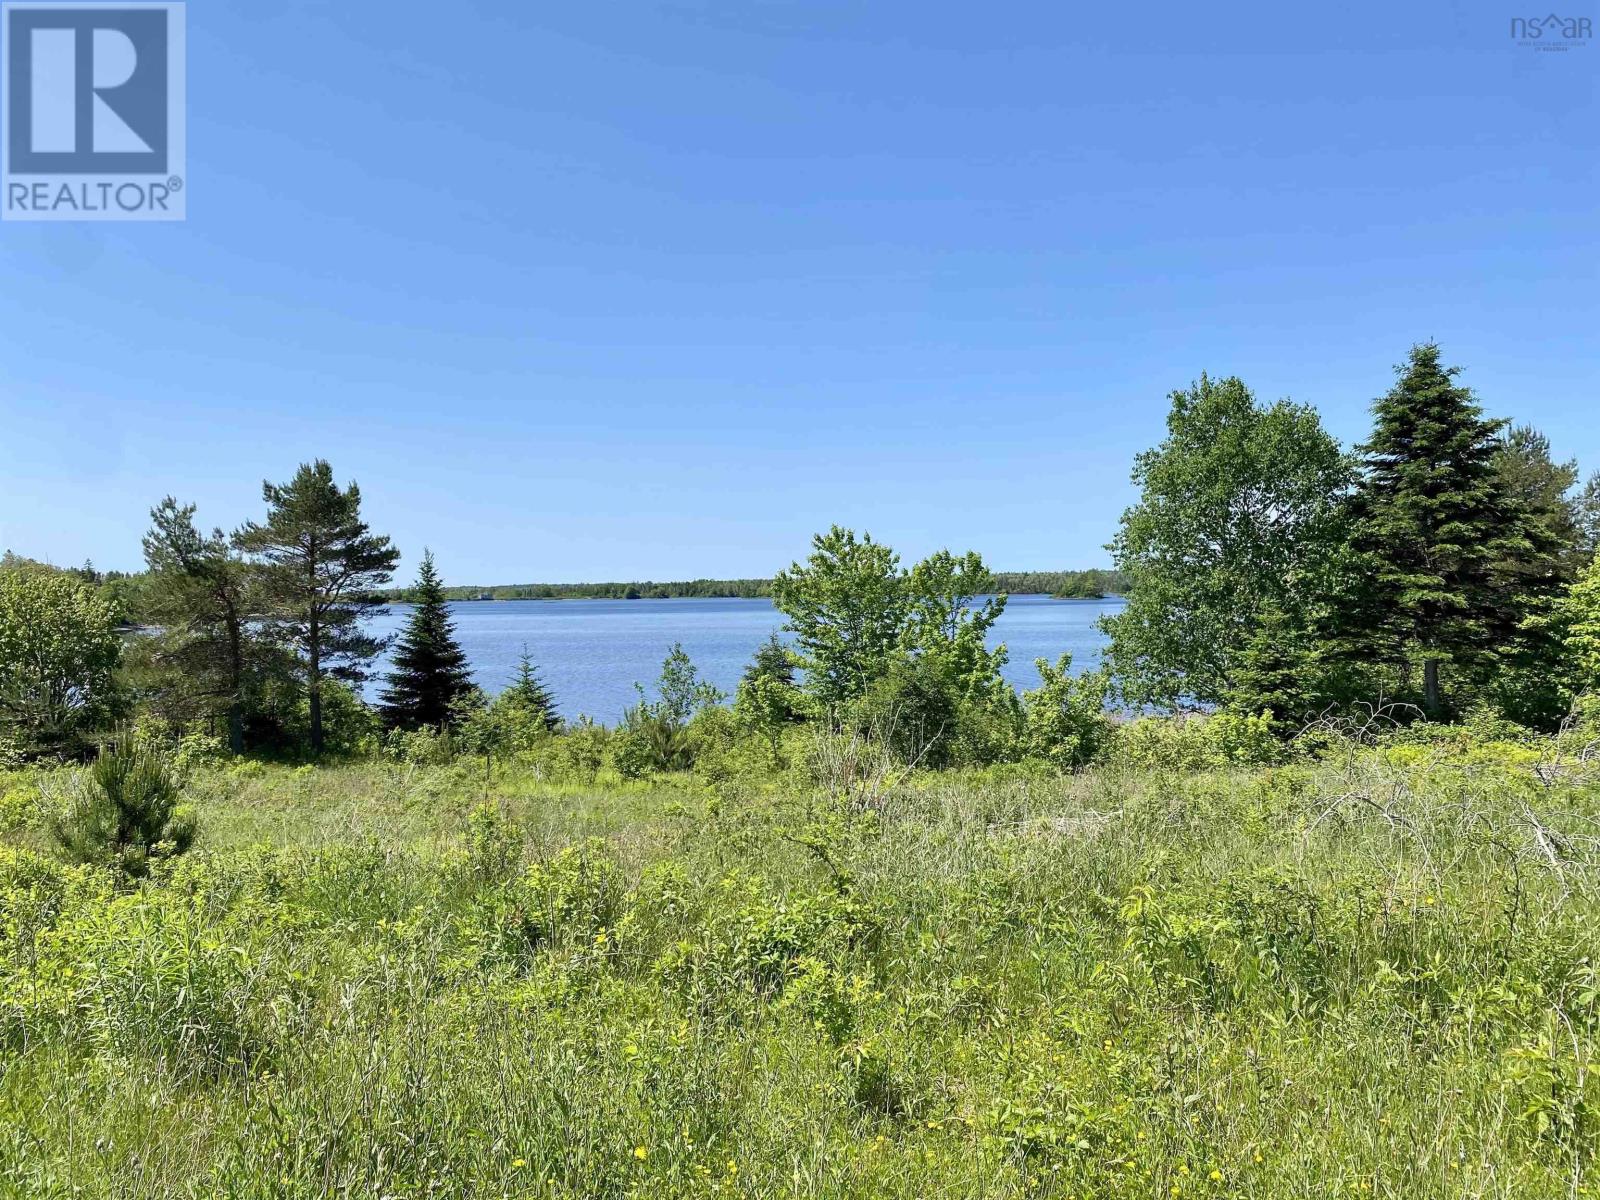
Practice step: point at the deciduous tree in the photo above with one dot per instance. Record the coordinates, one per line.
(847, 606)
(1240, 509)
(58, 649)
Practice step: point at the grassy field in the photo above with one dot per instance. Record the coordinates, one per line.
(1374, 976)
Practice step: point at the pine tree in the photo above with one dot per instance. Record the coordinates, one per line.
(430, 670)
(1431, 521)
(320, 568)
(199, 590)
(529, 694)
(124, 811)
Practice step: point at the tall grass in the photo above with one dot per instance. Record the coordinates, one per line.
(1375, 976)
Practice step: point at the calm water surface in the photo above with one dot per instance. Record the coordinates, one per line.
(590, 652)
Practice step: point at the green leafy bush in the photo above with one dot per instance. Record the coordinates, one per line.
(572, 900)
(1198, 743)
(19, 807)
(1064, 717)
(762, 943)
(349, 727)
(658, 735)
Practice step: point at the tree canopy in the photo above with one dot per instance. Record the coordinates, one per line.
(59, 648)
(1239, 509)
(321, 566)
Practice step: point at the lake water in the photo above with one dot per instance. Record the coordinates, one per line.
(590, 652)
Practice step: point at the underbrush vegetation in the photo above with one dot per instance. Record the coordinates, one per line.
(1192, 970)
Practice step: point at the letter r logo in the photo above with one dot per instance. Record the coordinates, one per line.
(87, 89)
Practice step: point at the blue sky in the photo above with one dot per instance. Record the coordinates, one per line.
(602, 291)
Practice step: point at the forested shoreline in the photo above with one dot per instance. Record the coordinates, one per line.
(1092, 584)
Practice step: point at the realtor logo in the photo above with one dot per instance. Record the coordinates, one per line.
(93, 111)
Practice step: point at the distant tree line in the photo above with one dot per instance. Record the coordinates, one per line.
(1092, 584)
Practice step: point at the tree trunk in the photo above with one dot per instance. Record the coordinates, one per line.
(236, 665)
(314, 688)
(1432, 701)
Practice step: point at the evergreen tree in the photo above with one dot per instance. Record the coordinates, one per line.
(198, 591)
(1278, 673)
(1540, 554)
(1586, 515)
(772, 661)
(530, 696)
(1431, 520)
(430, 670)
(321, 565)
(124, 811)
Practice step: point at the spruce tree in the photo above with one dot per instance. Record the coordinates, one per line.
(1277, 673)
(1432, 520)
(430, 670)
(320, 568)
(529, 695)
(1540, 555)
(773, 660)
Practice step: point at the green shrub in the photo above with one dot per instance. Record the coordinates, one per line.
(19, 808)
(579, 752)
(572, 900)
(651, 740)
(420, 747)
(914, 709)
(658, 735)
(1064, 717)
(124, 811)
(1197, 743)
(757, 946)
(59, 649)
(494, 844)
